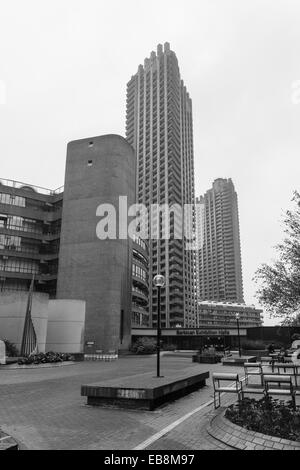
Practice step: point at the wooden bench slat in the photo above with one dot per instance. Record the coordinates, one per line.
(252, 364)
(225, 376)
(226, 389)
(277, 378)
(253, 390)
(279, 391)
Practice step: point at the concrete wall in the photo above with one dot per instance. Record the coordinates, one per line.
(12, 317)
(65, 332)
(98, 171)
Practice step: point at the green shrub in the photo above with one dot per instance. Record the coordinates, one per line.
(144, 345)
(11, 350)
(267, 416)
(45, 358)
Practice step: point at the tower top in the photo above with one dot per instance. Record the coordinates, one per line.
(167, 47)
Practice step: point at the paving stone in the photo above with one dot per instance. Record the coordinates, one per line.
(275, 439)
(269, 443)
(249, 447)
(258, 440)
(278, 446)
(43, 409)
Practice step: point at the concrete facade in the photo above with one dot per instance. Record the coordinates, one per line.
(65, 331)
(30, 219)
(220, 314)
(98, 171)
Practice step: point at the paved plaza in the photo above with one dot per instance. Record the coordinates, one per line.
(43, 409)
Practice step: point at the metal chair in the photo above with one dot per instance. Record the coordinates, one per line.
(287, 367)
(270, 382)
(219, 388)
(253, 368)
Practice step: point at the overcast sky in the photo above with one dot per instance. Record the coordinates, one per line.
(64, 65)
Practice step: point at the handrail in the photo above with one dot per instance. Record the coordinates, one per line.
(38, 189)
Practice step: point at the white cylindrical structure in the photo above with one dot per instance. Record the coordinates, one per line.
(12, 317)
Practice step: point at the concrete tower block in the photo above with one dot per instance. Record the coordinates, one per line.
(98, 171)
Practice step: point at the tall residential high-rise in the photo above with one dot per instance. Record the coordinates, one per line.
(219, 267)
(159, 127)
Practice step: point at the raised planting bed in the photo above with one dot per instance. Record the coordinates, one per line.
(144, 391)
(207, 359)
(45, 358)
(275, 418)
(240, 438)
(48, 365)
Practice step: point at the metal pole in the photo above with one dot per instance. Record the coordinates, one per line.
(158, 331)
(238, 325)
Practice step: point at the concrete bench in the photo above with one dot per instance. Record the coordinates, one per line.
(219, 387)
(144, 391)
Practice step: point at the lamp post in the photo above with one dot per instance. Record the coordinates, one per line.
(237, 316)
(159, 282)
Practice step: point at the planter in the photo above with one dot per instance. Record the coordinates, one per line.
(37, 366)
(206, 359)
(240, 438)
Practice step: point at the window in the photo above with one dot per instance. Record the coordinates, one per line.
(19, 265)
(10, 243)
(3, 220)
(139, 272)
(20, 223)
(12, 200)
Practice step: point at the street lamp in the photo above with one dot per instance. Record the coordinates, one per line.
(159, 282)
(237, 316)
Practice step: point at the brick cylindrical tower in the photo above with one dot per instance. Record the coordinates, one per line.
(98, 171)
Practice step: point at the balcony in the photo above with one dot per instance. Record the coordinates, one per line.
(140, 294)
